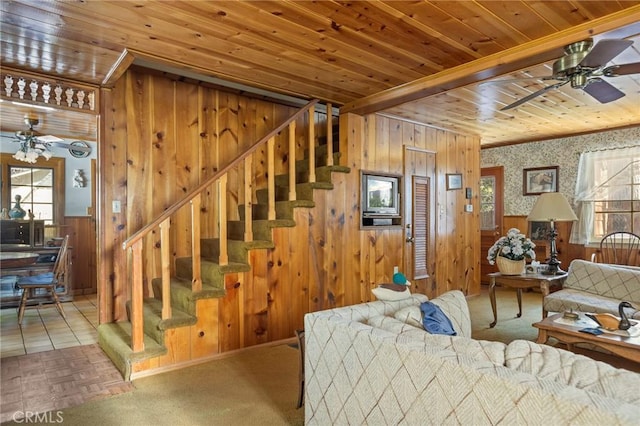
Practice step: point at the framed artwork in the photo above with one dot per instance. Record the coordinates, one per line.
(540, 231)
(538, 180)
(454, 181)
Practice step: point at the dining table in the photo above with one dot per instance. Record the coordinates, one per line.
(17, 259)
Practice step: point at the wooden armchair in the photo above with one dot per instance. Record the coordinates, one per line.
(620, 248)
(47, 281)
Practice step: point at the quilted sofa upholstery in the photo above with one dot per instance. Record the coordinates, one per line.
(596, 287)
(366, 364)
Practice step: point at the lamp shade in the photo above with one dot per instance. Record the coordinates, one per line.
(551, 207)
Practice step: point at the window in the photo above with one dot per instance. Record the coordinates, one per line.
(35, 187)
(41, 187)
(607, 194)
(487, 203)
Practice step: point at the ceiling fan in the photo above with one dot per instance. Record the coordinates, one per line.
(584, 66)
(33, 145)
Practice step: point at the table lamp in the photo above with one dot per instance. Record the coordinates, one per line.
(552, 207)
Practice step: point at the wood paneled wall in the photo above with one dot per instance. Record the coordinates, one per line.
(82, 240)
(162, 137)
(376, 143)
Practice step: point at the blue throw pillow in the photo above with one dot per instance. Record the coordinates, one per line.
(435, 321)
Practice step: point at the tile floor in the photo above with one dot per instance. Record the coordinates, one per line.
(44, 329)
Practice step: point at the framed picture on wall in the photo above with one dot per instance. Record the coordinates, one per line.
(454, 181)
(538, 180)
(540, 231)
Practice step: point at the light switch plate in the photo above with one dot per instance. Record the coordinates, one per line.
(468, 208)
(115, 206)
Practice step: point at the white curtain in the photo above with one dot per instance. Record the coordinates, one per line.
(597, 171)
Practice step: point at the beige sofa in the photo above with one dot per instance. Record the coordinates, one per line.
(373, 364)
(596, 287)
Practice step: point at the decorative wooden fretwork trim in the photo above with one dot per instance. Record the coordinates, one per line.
(37, 89)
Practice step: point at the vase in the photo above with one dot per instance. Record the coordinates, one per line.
(17, 212)
(510, 267)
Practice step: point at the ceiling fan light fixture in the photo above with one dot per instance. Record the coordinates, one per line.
(579, 81)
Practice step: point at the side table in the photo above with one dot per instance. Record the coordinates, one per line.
(519, 282)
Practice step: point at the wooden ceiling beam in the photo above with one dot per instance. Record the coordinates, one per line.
(530, 53)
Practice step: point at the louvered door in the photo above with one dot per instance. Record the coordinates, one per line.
(421, 234)
(419, 222)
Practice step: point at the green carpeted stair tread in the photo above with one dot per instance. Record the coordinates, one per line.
(304, 191)
(237, 249)
(183, 297)
(210, 271)
(262, 229)
(153, 311)
(115, 340)
(284, 209)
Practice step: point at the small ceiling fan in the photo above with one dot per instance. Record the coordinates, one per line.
(33, 145)
(584, 66)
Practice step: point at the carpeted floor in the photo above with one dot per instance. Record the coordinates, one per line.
(260, 385)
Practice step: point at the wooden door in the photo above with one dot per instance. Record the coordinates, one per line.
(491, 214)
(419, 219)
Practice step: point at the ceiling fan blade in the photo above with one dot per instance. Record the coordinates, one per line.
(516, 80)
(534, 95)
(604, 51)
(624, 69)
(603, 91)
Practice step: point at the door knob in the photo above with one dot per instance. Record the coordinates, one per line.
(410, 239)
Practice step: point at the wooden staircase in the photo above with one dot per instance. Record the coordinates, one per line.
(176, 295)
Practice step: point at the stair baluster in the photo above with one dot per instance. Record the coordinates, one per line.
(248, 199)
(222, 215)
(137, 331)
(312, 144)
(196, 280)
(292, 161)
(165, 248)
(329, 134)
(271, 178)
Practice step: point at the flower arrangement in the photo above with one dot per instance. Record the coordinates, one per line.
(513, 246)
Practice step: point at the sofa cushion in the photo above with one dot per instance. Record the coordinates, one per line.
(478, 350)
(454, 305)
(615, 282)
(391, 324)
(410, 315)
(582, 301)
(567, 368)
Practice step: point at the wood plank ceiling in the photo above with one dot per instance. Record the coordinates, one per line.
(421, 60)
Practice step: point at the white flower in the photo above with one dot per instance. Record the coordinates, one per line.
(515, 246)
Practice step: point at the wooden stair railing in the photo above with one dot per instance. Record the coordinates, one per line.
(135, 241)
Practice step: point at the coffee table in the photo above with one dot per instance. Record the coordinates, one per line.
(626, 347)
(519, 282)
